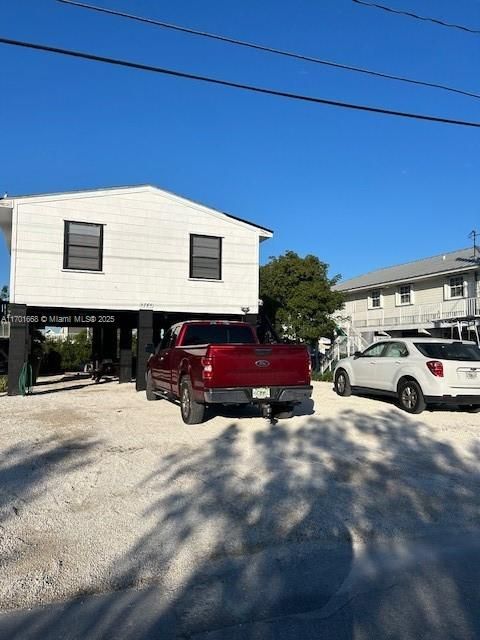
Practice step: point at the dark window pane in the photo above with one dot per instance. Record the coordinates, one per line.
(83, 240)
(206, 242)
(83, 246)
(218, 334)
(83, 263)
(84, 229)
(83, 252)
(446, 351)
(205, 258)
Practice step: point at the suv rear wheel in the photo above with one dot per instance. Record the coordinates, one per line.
(410, 397)
(192, 411)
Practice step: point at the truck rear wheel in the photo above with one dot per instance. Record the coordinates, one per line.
(192, 411)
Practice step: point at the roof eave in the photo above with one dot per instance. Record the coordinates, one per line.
(389, 283)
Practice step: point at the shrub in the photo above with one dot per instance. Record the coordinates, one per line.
(3, 383)
(327, 376)
(70, 354)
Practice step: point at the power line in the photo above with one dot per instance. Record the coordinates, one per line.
(235, 85)
(416, 16)
(259, 47)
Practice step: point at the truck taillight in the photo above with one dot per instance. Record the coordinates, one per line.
(207, 372)
(436, 367)
(309, 361)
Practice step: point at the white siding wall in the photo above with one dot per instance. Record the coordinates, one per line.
(145, 258)
(429, 291)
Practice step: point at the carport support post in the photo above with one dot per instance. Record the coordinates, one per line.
(144, 337)
(96, 344)
(125, 373)
(109, 340)
(18, 347)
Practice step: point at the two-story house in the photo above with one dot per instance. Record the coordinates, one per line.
(120, 259)
(438, 294)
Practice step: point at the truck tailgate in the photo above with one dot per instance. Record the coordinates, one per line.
(258, 365)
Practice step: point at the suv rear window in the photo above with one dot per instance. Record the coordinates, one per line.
(449, 351)
(218, 334)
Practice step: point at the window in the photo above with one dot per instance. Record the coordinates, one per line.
(205, 257)
(449, 351)
(404, 294)
(169, 338)
(166, 340)
(218, 334)
(456, 287)
(375, 351)
(376, 299)
(396, 350)
(83, 246)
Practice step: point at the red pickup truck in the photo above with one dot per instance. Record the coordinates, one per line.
(205, 363)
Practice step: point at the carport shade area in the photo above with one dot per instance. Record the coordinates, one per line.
(111, 335)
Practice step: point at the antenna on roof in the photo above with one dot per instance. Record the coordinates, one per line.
(473, 234)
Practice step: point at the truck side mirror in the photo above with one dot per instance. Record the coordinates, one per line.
(357, 354)
(150, 348)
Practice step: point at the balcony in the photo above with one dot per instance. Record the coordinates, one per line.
(418, 314)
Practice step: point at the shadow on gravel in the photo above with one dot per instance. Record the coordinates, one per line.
(26, 468)
(57, 387)
(305, 408)
(255, 533)
(68, 377)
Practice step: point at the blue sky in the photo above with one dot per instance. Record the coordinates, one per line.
(360, 191)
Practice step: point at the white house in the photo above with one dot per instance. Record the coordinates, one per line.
(440, 295)
(140, 255)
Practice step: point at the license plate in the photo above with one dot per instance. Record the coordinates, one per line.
(261, 393)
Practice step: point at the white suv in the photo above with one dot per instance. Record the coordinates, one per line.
(418, 371)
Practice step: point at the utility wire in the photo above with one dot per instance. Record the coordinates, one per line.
(259, 47)
(409, 14)
(236, 85)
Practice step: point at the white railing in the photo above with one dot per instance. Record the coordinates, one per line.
(4, 329)
(343, 347)
(418, 313)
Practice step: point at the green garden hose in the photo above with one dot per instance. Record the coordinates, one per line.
(25, 380)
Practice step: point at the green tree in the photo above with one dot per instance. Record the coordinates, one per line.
(4, 293)
(298, 296)
(73, 352)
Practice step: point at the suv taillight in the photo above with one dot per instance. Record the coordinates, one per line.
(207, 372)
(436, 367)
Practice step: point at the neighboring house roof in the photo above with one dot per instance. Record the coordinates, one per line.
(460, 260)
(136, 187)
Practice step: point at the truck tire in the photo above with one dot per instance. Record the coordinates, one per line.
(149, 392)
(192, 411)
(410, 396)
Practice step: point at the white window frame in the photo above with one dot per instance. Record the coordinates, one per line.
(448, 288)
(370, 304)
(398, 296)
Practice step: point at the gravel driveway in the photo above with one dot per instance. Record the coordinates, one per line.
(102, 490)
